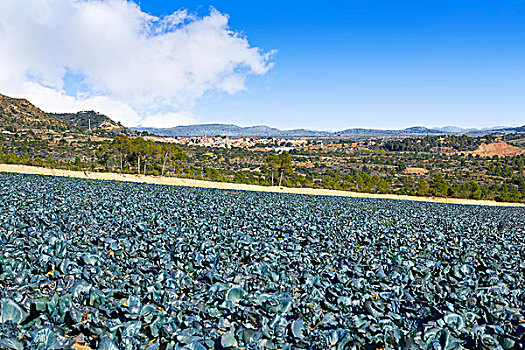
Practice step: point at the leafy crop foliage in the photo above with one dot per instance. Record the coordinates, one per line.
(112, 265)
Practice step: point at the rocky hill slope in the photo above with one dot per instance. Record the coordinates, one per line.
(26, 130)
(91, 121)
(22, 116)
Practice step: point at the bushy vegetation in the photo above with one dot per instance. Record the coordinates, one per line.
(446, 169)
(428, 143)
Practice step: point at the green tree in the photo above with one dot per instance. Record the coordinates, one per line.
(150, 151)
(422, 187)
(474, 189)
(138, 149)
(121, 143)
(171, 153)
(212, 174)
(272, 163)
(240, 178)
(331, 182)
(285, 166)
(103, 153)
(144, 150)
(439, 185)
(359, 182)
(49, 161)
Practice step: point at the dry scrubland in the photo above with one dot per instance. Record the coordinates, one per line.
(172, 181)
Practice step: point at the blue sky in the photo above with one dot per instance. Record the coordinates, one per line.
(383, 64)
(336, 64)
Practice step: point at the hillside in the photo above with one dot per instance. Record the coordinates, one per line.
(90, 120)
(20, 115)
(27, 130)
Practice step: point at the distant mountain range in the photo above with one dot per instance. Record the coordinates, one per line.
(232, 130)
(20, 114)
(457, 129)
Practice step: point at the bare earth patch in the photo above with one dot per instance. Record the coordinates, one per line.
(500, 149)
(418, 171)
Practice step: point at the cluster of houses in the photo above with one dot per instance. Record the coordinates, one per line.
(226, 142)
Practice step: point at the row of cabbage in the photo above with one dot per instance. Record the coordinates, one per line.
(108, 265)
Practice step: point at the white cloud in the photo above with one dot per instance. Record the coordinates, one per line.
(51, 100)
(122, 60)
(169, 120)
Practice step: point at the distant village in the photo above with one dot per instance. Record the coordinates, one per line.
(277, 144)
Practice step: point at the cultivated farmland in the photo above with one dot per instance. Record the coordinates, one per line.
(107, 265)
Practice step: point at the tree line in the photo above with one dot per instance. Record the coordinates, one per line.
(509, 191)
(503, 179)
(138, 153)
(426, 144)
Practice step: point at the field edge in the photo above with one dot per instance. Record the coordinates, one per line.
(175, 181)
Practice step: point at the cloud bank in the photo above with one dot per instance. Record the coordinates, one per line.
(110, 56)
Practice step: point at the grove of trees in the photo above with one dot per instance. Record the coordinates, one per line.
(136, 154)
(280, 164)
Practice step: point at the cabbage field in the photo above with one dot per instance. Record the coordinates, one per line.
(108, 265)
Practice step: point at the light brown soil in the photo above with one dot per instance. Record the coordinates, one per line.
(419, 171)
(173, 181)
(498, 149)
